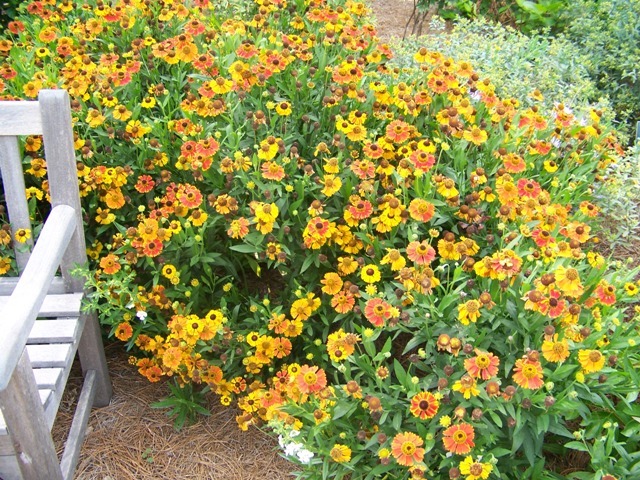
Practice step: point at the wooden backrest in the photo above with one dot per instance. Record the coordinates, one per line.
(50, 117)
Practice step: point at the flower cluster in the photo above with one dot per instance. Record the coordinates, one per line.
(394, 267)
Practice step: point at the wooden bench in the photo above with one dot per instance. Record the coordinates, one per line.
(41, 325)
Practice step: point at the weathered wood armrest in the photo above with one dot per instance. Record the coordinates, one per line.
(20, 312)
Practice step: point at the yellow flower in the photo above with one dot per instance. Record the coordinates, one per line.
(22, 235)
(476, 136)
(591, 360)
(370, 274)
(474, 470)
(340, 453)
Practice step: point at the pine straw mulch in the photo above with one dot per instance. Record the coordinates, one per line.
(129, 440)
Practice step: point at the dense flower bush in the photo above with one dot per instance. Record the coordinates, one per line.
(534, 69)
(391, 271)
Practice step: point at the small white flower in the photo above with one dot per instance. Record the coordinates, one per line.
(305, 456)
(142, 315)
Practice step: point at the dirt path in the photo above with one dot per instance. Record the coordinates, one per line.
(391, 17)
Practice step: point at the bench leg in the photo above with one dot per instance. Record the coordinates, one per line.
(27, 425)
(92, 357)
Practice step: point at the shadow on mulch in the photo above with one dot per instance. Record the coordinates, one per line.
(130, 440)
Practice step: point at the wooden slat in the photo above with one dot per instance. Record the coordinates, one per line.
(8, 285)
(57, 136)
(9, 468)
(78, 426)
(54, 355)
(66, 305)
(14, 190)
(25, 419)
(58, 330)
(20, 118)
(48, 377)
(27, 298)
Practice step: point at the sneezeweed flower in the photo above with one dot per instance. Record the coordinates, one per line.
(340, 453)
(605, 292)
(124, 331)
(110, 264)
(458, 439)
(591, 360)
(424, 405)
(467, 386)
(406, 448)
(311, 379)
(527, 373)
(568, 280)
(421, 210)
(421, 252)
(370, 274)
(377, 311)
(631, 289)
(5, 265)
(22, 235)
(555, 350)
(469, 312)
(474, 469)
(484, 365)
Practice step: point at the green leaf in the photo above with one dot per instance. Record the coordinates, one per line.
(244, 248)
(581, 447)
(308, 262)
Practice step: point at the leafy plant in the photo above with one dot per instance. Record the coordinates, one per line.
(185, 405)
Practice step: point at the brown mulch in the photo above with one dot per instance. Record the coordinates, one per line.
(129, 440)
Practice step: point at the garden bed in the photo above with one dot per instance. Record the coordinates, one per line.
(438, 306)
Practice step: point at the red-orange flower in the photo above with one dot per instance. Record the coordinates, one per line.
(377, 311)
(311, 379)
(458, 439)
(528, 374)
(406, 448)
(424, 405)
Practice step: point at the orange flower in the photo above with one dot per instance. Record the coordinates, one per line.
(528, 374)
(424, 405)
(421, 210)
(311, 379)
(332, 283)
(343, 302)
(484, 365)
(458, 439)
(377, 311)
(406, 448)
(110, 264)
(124, 331)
